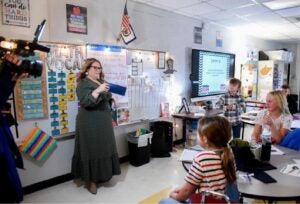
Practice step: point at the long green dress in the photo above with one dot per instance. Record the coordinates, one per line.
(95, 156)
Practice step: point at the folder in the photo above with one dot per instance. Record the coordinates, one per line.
(117, 89)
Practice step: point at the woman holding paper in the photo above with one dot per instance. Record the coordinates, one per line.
(95, 156)
(276, 118)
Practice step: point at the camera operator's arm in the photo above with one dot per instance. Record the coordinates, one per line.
(7, 78)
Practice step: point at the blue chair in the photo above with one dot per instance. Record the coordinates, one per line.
(292, 140)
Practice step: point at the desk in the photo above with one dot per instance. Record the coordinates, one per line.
(190, 117)
(246, 122)
(286, 188)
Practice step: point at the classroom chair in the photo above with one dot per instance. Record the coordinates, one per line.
(209, 196)
(292, 140)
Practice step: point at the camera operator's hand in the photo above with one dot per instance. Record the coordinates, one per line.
(13, 59)
(17, 61)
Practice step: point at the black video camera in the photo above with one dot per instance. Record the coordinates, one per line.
(25, 49)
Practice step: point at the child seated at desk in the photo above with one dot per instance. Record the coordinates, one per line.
(276, 118)
(213, 168)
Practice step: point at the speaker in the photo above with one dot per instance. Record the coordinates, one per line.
(162, 139)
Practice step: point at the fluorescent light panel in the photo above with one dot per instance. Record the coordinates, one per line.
(282, 4)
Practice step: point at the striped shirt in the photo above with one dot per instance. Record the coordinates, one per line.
(233, 115)
(206, 172)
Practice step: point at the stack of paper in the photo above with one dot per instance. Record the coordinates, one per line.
(276, 151)
(291, 169)
(188, 155)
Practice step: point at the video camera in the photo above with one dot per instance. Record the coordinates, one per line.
(25, 49)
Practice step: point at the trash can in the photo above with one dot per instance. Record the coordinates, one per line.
(139, 148)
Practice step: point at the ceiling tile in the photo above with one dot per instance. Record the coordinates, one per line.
(230, 4)
(199, 9)
(218, 16)
(261, 1)
(282, 28)
(250, 10)
(289, 12)
(266, 17)
(143, 1)
(233, 22)
(171, 4)
(247, 16)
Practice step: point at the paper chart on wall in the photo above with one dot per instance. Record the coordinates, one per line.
(113, 60)
(63, 63)
(147, 88)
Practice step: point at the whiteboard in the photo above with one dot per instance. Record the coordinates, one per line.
(113, 60)
(147, 87)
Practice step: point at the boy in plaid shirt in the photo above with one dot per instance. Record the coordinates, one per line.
(233, 105)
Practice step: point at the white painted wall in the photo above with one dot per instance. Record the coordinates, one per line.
(155, 29)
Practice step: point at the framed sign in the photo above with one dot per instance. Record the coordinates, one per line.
(161, 60)
(198, 35)
(76, 19)
(16, 13)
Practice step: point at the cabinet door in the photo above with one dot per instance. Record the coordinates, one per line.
(265, 79)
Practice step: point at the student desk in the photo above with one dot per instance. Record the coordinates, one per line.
(190, 117)
(246, 122)
(285, 189)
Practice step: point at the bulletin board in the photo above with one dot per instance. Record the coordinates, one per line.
(60, 68)
(137, 70)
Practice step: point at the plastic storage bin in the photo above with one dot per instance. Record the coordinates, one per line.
(139, 148)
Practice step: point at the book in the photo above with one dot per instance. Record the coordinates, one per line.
(117, 89)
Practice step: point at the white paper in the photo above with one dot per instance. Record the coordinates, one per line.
(291, 169)
(297, 161)
(143, 140)
(295, 124)
(276, 151)
(188, 155)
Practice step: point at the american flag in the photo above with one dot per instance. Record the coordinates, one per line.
(127, 32)
(125, 18)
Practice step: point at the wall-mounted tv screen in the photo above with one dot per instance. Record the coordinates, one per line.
(211, 72)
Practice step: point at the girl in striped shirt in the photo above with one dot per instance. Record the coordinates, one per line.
(213, 168)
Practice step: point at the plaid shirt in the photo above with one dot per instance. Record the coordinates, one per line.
(234, 115)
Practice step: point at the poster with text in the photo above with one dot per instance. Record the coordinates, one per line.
(76, 19)
(16, 13)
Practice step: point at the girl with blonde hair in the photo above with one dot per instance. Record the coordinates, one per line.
(276, 118)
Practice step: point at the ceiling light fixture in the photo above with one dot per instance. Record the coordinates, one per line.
(282, 4)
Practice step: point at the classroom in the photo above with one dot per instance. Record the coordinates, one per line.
(168, 64)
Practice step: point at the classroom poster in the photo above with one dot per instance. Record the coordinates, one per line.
(31, 99)
(76, 19)
(63, 63)
(198, 35)
(16, 13)
(219, 39)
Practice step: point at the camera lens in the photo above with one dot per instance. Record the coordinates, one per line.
(33, 68)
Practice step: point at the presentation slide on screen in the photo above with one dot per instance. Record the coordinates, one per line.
(215, 73)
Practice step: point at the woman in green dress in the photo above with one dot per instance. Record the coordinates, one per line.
(95, 156)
